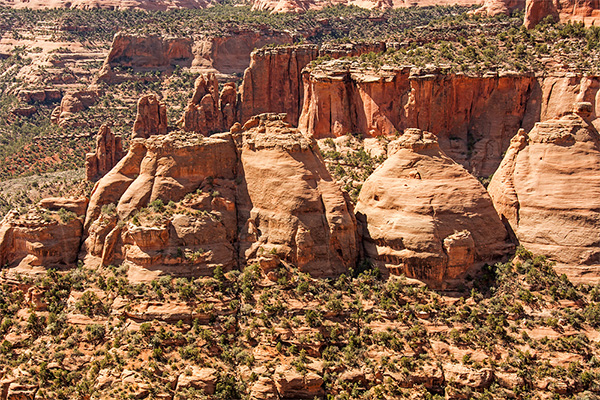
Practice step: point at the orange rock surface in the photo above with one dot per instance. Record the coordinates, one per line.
(273, 81)
(586, 11)
(260, 189)
(547, 188)
(473, 116)
(151, 118)
(109, 150)
(289, 204)
(425, 216)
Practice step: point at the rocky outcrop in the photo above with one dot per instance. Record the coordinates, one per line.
(425, 216)
(259, 189)
(151, 118)
(290, 206)
(77, 206)
(71, 104)
(208, 111)
(495, 7)
(473, 116)
(231, 52)
(273, 81)
(38, 238)
(586, 11)
(33, 96)
(228, 53)
(145, 53)
(547, 190)
(109, 150)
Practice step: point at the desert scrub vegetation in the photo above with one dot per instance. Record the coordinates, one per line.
(473, 44)
(244, 325)
(348, 161)
(101, 24)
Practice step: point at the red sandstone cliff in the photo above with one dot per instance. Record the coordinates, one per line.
(209, 111)
(586, 11)
(273, 81)
(473, 117)
(109, 150)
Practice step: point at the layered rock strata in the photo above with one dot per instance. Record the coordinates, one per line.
(273, 81)
(547, 189)
(40, 238)
(258, 191)
(473, 116)
(425, 216)
(109, 150)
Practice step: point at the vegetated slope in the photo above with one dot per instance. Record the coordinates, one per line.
(263, 333)
(62, 50)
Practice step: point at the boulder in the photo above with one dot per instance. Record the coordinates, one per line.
(547, 191)
(291, 384)
(77, 206)
(425, 216)
(204, 379)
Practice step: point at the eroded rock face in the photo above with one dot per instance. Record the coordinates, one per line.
(425, 216)
(473, 116)
(144, 53)
(289, 205)
(151, 118)
(259, 189)
(109, 150)
(273, 81)
(71, 104)
(208, 111)
(547, 188)
(586, 11)
(40, 239)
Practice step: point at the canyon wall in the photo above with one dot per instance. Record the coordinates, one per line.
(228, 54)
(273, 81)
(474, 117)
(586, 11)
